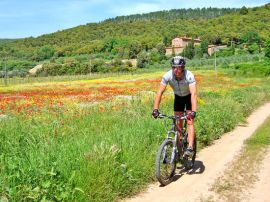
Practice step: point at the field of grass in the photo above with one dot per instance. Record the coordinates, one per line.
(95, 140)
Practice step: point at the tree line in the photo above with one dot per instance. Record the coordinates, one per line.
(172, 14)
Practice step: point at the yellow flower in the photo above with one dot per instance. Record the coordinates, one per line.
(200, 101)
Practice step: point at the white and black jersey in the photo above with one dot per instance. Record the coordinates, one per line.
(181, 86)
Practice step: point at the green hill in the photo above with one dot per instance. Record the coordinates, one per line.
(127, 36)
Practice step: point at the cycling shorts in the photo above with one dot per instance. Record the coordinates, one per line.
(182, 103)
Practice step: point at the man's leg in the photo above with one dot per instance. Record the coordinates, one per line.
(191, 131)
(179, 124)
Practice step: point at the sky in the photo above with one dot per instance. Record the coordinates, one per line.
(25, 18)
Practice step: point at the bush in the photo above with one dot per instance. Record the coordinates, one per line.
(253, 69)
(142, 59)
(225, 52)
(44, 52)
(97, 65)
(154, 56)
(267, 48)
(224, 64)
(241, 51)
(253, 48)
(13, 64)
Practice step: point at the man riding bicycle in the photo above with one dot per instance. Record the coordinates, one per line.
(183, 84)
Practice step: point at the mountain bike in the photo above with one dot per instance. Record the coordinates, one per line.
(171, 151)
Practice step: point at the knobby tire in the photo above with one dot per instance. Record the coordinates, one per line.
(167, 178)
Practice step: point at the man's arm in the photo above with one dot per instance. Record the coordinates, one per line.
(162, 88)
(193, 92)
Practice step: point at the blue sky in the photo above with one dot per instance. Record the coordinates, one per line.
(24, 18)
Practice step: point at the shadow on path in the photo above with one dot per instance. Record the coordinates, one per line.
(198, 168)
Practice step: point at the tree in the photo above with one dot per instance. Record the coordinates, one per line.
(45, 52)
(243, 10)
(267, 49)
(109, 45)
(250, 38)
(166, 41)
(161, 50)
(142, 59)
(189, 51)
(198, 52)
(134, 49)
(204, 46)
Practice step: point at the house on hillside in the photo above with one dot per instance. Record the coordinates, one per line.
(213, 48)
(179, 43)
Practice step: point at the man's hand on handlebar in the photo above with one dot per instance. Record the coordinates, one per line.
(191, 115)
(155, 113)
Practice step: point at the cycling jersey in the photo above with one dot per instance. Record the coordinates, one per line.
(181, 86)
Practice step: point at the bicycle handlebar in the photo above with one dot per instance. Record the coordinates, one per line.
(172, 117)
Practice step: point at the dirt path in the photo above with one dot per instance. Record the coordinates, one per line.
(210, 164)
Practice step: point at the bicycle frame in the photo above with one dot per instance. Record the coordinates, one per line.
(174, 131)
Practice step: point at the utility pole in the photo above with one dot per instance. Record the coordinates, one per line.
(90, 66)
(5, 63)
(215, 49)
(215, 61)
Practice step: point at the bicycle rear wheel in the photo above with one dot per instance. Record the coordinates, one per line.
(166, 162)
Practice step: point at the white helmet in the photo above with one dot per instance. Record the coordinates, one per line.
(178, 61)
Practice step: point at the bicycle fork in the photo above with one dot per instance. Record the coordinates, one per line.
(174, 149)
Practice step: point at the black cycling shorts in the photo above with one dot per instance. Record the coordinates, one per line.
(182, 103)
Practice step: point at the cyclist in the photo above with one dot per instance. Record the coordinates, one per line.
(183, 84)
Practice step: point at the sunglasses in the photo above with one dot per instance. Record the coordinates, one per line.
(178, 67)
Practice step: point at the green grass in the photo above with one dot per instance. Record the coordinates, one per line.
(101, 156)
(261, 138)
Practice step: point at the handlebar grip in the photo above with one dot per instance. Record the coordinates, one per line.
(161, 116)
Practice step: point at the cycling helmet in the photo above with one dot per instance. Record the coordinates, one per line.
(178, 61)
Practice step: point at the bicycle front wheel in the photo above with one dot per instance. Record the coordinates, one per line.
(166, 162)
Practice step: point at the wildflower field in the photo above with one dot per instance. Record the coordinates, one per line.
(95, 140)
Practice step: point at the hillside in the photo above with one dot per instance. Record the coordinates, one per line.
(157, 25)
(151, 30)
